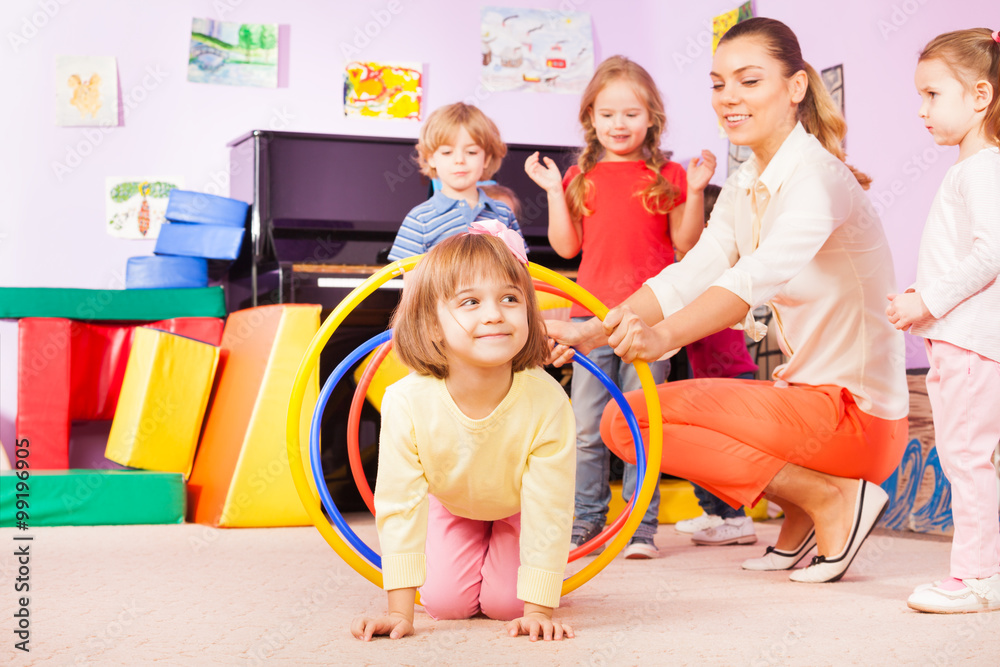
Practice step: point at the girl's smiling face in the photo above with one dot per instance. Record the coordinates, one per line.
(483, 325)
(621, 121)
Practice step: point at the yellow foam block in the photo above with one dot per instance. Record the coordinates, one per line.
(241, 476)
(167, 382)
(677, 502)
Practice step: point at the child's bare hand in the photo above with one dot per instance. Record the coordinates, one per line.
(700, 173)
(394, 626)
(539, 626)
(544, 172)
(906, 309)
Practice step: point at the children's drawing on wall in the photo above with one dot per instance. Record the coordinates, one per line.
(235, 54)
(86, 90)
(536, 50)
(723, 22)
(737, 155)
(383, 90)
(136, 206)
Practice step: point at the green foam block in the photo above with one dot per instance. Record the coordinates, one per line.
(93, 498)
(111, 304)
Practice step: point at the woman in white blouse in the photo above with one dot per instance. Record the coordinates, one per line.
(792, 229)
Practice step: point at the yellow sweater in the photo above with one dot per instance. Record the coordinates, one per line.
(521, 458)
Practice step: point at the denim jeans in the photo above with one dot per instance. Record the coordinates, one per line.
(712, 505)
(593, 458)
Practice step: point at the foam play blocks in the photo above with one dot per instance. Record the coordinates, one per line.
(241, 476)
(95, 498)
(156, 272)
(163, 398)
(194, 240)
(124, 305)
(73, 370)
(198, 207)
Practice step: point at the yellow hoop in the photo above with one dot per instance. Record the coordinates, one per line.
(310, 360)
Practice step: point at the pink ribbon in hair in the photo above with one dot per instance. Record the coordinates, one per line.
(996, 36)
(511, 238)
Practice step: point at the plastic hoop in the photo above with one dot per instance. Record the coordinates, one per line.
(354, 421)
(310, 360)
(384, 340)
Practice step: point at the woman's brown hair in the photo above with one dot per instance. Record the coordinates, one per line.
(972, 55)
(818, 113)
(450, 265)
(660, 194)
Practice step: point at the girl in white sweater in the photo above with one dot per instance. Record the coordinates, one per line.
(954, 306)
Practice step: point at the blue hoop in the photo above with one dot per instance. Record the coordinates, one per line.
(360, 353)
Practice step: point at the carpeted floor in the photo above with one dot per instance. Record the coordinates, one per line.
(193, 595)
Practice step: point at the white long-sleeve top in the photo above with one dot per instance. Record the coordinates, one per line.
(520, 458)
(803, 238)
(959, 258)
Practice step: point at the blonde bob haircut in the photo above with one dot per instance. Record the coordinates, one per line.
(442, 127)
(453, 264)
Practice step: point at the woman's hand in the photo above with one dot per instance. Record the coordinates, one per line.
(538, 625)
(699, 173)
(392, 625)
(584, 336)
(632, 338)
(546, 175)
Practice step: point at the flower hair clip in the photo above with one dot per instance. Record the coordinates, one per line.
(510, 238)
(996, 36)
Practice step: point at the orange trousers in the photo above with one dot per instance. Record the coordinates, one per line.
(733, 436)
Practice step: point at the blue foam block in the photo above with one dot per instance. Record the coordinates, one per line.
(208, 241)
(165, 272)
(205, 209)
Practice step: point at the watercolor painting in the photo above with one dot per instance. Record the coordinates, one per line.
(536, 50)
(383, 90)
(136, 207)
(723, 22)
(86, 91)
(233, 54)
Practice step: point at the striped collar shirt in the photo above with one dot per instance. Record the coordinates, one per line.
(440, 217)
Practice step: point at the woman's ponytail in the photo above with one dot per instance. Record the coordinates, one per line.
(817, 111)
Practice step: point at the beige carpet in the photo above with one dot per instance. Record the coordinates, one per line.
(193, 595)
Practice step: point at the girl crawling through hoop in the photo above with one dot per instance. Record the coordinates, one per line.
(474, 498)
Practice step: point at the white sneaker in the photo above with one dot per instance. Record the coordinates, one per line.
(641, 549)
(737, 530)
(703, 522)
(978, 595)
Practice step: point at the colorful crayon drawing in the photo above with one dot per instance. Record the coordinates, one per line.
(383, 90)
(536, 50)
(720, 26)
(723, 22)
(234, 54)
(136, 207)
(86, 90)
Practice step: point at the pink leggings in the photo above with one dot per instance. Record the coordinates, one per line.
(471, 566)
(964, 390)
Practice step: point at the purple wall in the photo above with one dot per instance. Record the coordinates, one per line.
(52, 224)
